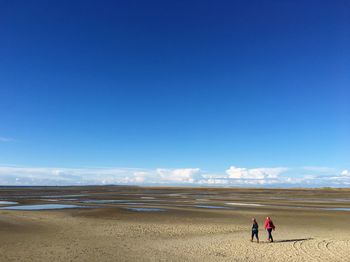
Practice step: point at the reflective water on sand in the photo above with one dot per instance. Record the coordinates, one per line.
(104, 201)
(339, 209)
(8, 203)
(243, 204)
(145, 209)
(56, 200)
(63, 196)
(211, 207)
(41, 207)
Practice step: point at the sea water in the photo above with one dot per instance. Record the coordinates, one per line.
(41, 207)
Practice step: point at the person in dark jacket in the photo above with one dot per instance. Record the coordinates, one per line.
(255, 230)
(269, 226)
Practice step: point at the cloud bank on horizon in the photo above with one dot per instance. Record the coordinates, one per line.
(233, 176)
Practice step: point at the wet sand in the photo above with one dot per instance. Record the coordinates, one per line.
(180, 225)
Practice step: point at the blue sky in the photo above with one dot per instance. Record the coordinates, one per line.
(181, 91)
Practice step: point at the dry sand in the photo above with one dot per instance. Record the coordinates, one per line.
(182, 233)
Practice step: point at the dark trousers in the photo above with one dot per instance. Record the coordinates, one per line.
(256, 234)
(269, 230)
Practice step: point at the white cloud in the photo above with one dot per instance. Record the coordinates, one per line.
(233, 176)
(72, 176)
(68, 176)
(255, 173)
(140, 177)
(187, 175)
(214, 181)
(345, 173)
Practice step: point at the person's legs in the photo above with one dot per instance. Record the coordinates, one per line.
(270, 235)
(256, 236)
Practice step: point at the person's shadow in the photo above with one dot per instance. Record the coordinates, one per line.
(292, 240)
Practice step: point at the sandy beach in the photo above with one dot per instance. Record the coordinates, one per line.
(176, 224)
(149, 131)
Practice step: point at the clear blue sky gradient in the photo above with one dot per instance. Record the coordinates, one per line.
(174, 84)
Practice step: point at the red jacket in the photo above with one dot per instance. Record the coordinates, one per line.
(269, 224)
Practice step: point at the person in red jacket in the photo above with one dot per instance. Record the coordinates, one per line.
(269, 226)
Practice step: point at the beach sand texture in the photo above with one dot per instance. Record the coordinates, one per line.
(305, 229)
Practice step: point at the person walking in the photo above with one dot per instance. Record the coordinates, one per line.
(255, 230)
(269, 226)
